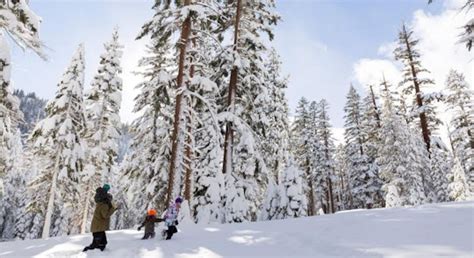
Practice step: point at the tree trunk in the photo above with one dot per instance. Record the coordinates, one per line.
(311, 203)
(229, 132)
(86, 210)
(419, 101)
(175, 139)
(50, 208)
(377, 116)
(188, 175)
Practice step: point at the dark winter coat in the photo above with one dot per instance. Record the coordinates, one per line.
(103, 210)
(149, 223)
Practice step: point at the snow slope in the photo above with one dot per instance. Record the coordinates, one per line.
(424, 231)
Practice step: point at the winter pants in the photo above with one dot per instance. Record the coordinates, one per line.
(148, 235)
(171, 230)
(99, 240)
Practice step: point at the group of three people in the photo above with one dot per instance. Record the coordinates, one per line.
(105, 208)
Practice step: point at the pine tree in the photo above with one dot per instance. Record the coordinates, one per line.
(246, 175)
(414, 84)
(22, 25)
(459, 100)
(458, 187)
(57, 140)
(286, 199)
(324, 165)
(357, 163)
(371, 125)
(341, 188)
(402, 159)
(303, 142)
(10, 113)
(103, 121)
(145, 169)
(441, 164)
(15, 187)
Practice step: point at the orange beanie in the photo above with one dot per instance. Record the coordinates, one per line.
(151, 212)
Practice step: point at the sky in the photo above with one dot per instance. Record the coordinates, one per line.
(325, 45)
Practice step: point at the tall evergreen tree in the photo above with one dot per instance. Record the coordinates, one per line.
(402, 159)
(459, 99)
(244, 167)
(458, 187)
(57, 140)
(357, 163)
(303, 142)
(103, 121)
(15, 187)
(325, 165)
(414, 84)
(145, 169)
(22, 25)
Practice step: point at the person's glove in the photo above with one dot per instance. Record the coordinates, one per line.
(176, 223)
(139, 228)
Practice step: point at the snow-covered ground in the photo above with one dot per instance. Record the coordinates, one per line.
(425, 231)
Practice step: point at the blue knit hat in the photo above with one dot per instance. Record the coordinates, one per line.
(178, 200)
(106, 187)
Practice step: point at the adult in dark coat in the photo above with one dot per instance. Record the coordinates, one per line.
(101, 219)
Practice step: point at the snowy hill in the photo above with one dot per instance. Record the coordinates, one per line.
(425, 231)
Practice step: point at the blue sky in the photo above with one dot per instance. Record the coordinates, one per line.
(319, 41)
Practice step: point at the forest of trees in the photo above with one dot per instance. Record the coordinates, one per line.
(215, 128)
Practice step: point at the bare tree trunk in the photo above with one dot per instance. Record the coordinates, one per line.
(377, 116)
(185, 32)
(85, 213)
(229, 132)
(311, 202)
(50, 208)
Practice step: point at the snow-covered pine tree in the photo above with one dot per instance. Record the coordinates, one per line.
(441, 164)
(13, 202)
(57, 140)
(303, 143)
(341, 188)
(414, 84)
(458, 187)
(275, 134)
(203, 178)
(288, 198)
(103, 123)
(371, 125)
(10, 113)
(293, 203)
(360, 176)
(244, 168)
(28, 223)
(22, 25)
(324, 165)
(460, 99)
(401, 158)
(145, 169)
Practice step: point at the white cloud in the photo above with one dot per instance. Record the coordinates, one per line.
(371, 71)
(438, 46)
(438, 35)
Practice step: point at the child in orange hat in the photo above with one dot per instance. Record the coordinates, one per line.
(149, 224)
